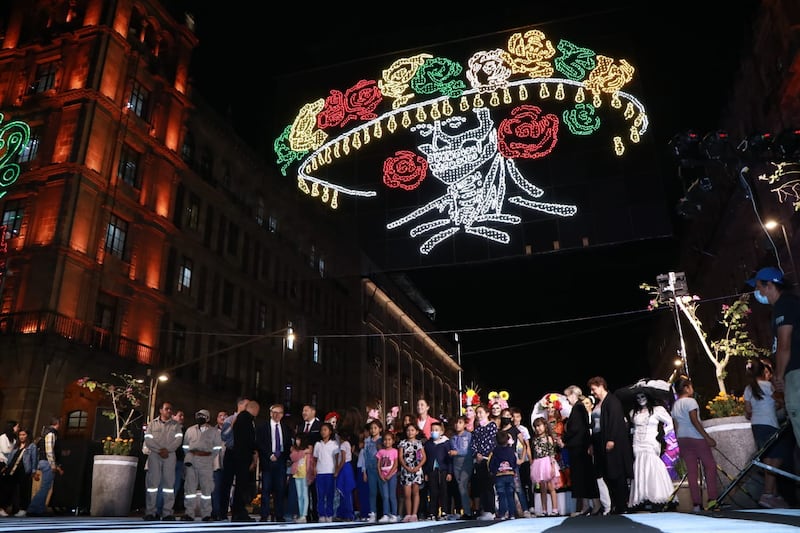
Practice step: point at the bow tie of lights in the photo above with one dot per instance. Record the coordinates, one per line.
(472, 124)
(773, 158)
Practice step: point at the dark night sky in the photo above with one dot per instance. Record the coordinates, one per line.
(554, 319)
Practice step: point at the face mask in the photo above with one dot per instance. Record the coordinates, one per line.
(505, 421)
(760, 298)
(434, 435)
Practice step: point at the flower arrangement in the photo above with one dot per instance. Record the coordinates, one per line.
(117, 446)
(725, 404)
(126, 394)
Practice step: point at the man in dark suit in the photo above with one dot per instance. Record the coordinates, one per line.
(274, 441)
(310, 424)
(244, 437)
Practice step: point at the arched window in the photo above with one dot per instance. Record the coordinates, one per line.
(77, 423)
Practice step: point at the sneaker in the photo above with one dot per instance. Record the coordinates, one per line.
(393, 518)
(372, 518)
(3, 512)
(21, 513)
(170, 518)
(696, 508)
(384, 519)
(149, 518)
(526, 514)
(300, 520)
(187, 518)
(486, 516)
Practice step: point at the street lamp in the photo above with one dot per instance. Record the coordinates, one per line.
(286, 344)
(772, 224)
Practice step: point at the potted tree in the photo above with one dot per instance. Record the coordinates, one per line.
(114, 472)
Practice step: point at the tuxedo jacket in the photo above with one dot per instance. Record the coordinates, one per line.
(265, 441)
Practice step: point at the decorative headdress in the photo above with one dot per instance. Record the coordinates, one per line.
(470, 398)
(551, 401)
(500, 398)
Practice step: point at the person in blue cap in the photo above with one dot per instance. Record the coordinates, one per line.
(771, 289)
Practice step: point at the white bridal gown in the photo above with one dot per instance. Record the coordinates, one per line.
(651, 480)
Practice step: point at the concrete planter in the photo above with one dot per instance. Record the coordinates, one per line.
(113, 480)
(733, 453)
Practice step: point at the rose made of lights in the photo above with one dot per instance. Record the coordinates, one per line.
(473, 122)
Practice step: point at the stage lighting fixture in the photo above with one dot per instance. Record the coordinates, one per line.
(686, 147)
(758, 146)
(717, 145)
(788, 144)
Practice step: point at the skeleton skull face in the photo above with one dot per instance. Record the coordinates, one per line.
(451, 156)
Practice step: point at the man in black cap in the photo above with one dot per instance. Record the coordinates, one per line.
(771, 289)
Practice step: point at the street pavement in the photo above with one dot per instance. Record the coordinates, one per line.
(739, 521)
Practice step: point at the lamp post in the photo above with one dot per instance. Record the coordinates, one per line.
(287, 343)
(163, 375)
(460, 371)
(772, 224)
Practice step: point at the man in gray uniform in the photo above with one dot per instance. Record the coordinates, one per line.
(201, 445)
(162, 438)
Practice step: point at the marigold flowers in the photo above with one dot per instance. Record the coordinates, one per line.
(118, 446)
(725, 404)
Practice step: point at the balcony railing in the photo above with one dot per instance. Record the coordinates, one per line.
(92, 337)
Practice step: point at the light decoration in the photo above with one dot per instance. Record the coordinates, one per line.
(785, 182)
(14, 136)
(476, 165)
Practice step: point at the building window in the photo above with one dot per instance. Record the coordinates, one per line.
(321, 266)
(185, 276)
(138, 100)
(116, 234)
(233, 238)
(261, 218)
(29, 151)
(187, 150)
(273, 224)
(128, 166)
(45, 77)
(77, 422)
(312, 256)
(227, 298)
(315, 350)
(12, 218)
(178, 344)
(206, 164)
(262, 317)
(193, 212)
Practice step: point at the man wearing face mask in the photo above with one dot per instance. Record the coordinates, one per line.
(201, 445)
(772, 289)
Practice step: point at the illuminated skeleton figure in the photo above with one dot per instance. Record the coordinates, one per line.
(475, 173)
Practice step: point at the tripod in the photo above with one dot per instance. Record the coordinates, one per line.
(756, 461)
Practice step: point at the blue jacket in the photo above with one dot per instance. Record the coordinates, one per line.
(437, 456)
